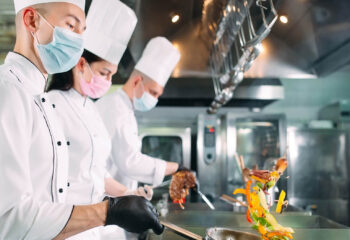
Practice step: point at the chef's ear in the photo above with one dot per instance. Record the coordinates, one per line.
(137, 80)
(30, 19)
(81, 64)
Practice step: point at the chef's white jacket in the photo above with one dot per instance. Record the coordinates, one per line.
(127, 164)
(89, 147)
(33, 175)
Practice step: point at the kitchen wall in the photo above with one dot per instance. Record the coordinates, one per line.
(305, 97)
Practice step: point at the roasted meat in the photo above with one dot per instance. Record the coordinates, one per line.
(180, 184)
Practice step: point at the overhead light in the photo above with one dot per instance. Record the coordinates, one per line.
(284, 19)
(175, 18)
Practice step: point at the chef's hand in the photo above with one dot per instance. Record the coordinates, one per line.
(182, 168)
(133, 213)
(146, 192)
(171, 168)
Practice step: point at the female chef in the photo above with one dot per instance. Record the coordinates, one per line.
(109, 27)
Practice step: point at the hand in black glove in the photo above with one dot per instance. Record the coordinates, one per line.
(133, 213)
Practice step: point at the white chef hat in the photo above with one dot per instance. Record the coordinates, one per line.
(110, 24)
(20, 4)
(158, 60)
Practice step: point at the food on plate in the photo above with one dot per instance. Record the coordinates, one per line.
(180, 185)
(258, 213)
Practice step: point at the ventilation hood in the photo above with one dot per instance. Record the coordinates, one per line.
(316, 34)
(253, 93)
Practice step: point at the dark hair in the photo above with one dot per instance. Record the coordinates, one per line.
(64, 81)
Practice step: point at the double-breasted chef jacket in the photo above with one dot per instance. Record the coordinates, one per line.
(33, 156)
(89, 148)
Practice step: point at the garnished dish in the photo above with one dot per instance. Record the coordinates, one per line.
(258, 182)
(180, 185)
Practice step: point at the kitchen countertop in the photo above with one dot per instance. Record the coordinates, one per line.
(306, 227)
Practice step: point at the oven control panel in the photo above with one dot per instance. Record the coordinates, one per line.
(209, 144)
(210, 160)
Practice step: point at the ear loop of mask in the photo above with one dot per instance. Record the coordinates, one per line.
(92, 73)
(34, 35)
(143, 89)
(92, 77)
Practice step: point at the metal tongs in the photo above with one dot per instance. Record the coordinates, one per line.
(205, 199)
(197, 189)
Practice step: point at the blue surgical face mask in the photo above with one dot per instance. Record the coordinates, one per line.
(63, 52)
(145, 103)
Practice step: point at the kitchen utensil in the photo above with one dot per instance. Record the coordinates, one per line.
(181, 231)
(232, 200)
(228, 234)
(205, 199)
(215, 233)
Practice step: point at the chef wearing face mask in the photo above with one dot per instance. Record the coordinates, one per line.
(32, 157)
(141, 92)
(89, 143)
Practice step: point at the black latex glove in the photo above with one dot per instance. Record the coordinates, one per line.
(133, 213)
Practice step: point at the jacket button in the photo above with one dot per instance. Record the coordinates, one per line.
(43, 100)
(68, 184)
(59, 143)
(60, 190)
(53, 105)
(68, 143)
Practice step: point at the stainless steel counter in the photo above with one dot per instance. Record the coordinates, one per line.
(306, 227)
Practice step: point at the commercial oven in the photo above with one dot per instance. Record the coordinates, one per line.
(318, 172)
(210, 155)
(168, 143)
(260, 139)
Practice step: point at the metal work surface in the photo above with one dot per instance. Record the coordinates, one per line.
(306, 227)
(302, 234)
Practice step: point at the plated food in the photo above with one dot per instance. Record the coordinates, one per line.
(258, 182)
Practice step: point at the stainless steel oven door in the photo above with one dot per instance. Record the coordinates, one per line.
(167, 143)
(259, 138)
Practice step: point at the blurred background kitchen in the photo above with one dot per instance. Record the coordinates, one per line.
(294, 98)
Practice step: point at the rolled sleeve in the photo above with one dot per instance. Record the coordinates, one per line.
(160, 166)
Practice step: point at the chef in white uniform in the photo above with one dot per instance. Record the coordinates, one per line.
(146, 83)
(33, 171)
(110, 24)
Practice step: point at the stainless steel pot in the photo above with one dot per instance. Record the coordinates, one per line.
(215, 233)
(228, 234)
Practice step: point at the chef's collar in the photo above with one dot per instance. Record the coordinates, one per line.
(126, 99)
(78, 99)
(27, 73)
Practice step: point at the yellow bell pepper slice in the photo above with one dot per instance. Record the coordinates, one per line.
(280, 201)
(239, 191)
(285, 234)
(262, 230)
(259, 179)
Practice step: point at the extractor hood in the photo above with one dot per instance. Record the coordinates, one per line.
(313, 43)
(194, 92)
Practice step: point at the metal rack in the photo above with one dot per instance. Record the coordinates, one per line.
(238, 44)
